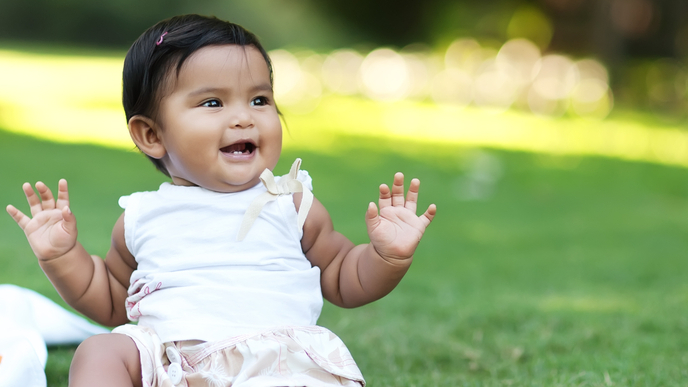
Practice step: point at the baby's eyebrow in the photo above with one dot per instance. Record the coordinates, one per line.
(204, 90)
(212, 90)
(262, 87)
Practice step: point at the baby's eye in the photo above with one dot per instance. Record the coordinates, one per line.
(259, 101)
(212, 103)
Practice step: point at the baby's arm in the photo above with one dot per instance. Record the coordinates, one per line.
(94, 287)
(356, 275)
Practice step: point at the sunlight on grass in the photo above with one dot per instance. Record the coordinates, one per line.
(63, 98)
(587, 304)
(77, 99)
(426, 123)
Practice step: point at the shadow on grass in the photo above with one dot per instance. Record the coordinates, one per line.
(57, 367)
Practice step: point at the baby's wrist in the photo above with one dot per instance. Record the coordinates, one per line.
(55, 254)
(395, 259)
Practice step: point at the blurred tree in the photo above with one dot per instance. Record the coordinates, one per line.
(390, 22)
(117, 23)
(401, 22)
(616, 30)
(613, 30)
(112, 23)
(610, 29)
(628, 36)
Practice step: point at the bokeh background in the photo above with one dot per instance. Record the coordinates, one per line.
(552, 134)
(587, 59)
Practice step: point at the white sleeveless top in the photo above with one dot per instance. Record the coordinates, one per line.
(196, 281)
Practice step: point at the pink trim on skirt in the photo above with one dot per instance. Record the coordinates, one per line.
(288, 356)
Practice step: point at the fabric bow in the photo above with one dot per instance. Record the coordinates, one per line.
(287, 185)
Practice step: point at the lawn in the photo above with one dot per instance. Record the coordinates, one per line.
(538, 270)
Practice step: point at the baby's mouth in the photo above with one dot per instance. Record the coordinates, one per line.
(240, 148)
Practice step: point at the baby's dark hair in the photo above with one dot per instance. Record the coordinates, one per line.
(150, 60)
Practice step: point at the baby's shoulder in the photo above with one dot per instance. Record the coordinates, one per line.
(303, 176)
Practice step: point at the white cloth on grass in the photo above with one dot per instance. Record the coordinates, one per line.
(29, 322)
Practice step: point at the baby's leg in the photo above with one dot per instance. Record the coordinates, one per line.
(105, 360)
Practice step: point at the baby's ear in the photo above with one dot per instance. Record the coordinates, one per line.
(146, 135)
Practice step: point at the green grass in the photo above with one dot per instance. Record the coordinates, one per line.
(571, 274)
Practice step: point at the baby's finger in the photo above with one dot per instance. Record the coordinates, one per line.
(33, 199)
(372, 218)
(398, 190)
(385, 196)
(69, 224)
(46, 196)
(412, 195)
(62, 194)
(21, 219)
(429, 215)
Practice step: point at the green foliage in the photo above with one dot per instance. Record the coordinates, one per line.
(116, 24)
(571, 273)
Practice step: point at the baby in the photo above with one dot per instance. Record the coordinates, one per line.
(225, 267)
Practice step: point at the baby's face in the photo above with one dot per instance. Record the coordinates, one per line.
(220, 126)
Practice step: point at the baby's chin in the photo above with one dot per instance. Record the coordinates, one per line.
(234, 185)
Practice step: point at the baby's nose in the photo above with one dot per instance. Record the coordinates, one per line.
(240, 118)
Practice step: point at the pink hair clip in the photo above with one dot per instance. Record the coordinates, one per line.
(159, 42)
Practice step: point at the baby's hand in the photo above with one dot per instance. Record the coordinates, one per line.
(396, 231)
(52, 230)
